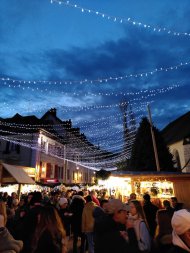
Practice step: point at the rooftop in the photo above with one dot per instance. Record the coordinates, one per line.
(178, 129)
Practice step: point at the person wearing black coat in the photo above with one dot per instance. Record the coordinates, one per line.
(30, 221)
(150, 211)
(76, 208)
(110, 226)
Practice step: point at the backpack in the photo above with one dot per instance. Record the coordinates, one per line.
(144, 242)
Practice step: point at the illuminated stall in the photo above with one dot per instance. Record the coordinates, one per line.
(160, 185)
(116, 186)
(16, 178)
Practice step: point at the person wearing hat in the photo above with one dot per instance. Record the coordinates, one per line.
(181, 231)
(108, 230)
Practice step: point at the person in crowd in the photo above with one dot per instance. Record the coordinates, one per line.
(12, 215)
(49, 235)
(5, 196)
(86, 193)
(15, 205)
(108, 230)
(54, 200)
(181, 231)
(164, 228)
(93, 195)
(7, 242)
(45, 197)
(76, 208)
(29, 198)
(31, 220)
(65, 215)
(17, 229)
(150, 211)
(104, 196)
(175, 204)
(11, 198)
(68, 196)
(132, 196)
(3, 214)
(138, 221)
(88, 222)
(103, 203)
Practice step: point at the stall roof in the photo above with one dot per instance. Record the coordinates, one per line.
(18, 173)
(151, 174)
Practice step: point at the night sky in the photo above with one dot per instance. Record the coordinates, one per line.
(86, 57)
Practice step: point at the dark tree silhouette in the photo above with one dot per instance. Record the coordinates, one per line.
(103, 174)
(142, 157)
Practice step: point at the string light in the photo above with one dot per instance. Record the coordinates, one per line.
(18, 125)
(90, 107)
(41, 150)
(37, 147)
(123, 20)
(62, 126)
(102, 80)
(72, 139)
(114, 147)
(87, 157)
(99, 107)
(116, 94)
(120, 145)
(109, 133)
(59, 126)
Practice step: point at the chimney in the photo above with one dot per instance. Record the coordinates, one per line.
(53, 111)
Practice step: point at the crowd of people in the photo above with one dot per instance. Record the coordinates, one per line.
(49, 222)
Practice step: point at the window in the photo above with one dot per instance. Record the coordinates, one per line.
(18, 149)
(12, 147)
(7, 151)
(86, 176)
(43, 169)
(52, 171)
(60, 172)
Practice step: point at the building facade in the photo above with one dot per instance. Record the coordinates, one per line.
(53, 147)
(177, 137)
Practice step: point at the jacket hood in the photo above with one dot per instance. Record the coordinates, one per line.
(178, 242)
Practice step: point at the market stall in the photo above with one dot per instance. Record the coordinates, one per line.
(160, 185)
(14, 175)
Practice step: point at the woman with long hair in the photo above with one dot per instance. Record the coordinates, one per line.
(138, 221)
(49, 234)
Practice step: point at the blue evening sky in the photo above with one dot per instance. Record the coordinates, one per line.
(48, 50)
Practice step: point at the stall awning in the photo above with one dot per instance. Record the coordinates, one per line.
(18, 173)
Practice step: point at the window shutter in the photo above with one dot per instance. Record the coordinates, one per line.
(48, 170)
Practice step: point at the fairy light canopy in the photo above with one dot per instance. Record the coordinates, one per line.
(85, 59)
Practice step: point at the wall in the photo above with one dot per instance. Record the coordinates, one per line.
(180, 148)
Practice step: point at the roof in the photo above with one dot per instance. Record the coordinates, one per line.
(178, 129)
(151, 174)
(17, 118)
(18, 174)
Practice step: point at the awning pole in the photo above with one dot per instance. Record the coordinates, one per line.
(19, 190)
